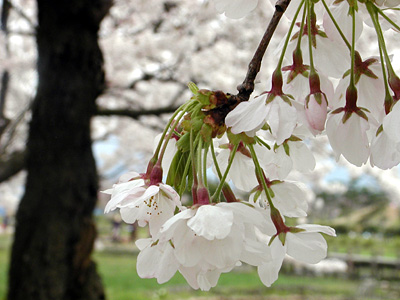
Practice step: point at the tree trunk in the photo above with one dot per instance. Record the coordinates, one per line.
(55, 231)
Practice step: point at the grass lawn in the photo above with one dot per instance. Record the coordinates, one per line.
(122, 283)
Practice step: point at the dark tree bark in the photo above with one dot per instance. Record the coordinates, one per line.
(55, 232)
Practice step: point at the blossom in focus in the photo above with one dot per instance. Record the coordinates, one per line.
(138, 201)
(391, 123)
(370, 87)
(385, 152)
(385, 146)
(242, 171)
(349, 137)
(250, 116)
(235, 9)
(204, 241)
(340, 12)
(288, 197)
(316, 107)
(306, 245)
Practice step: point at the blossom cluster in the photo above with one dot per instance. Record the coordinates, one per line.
(321, 85)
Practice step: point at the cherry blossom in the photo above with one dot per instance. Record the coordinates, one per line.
(242, 171)
(340, 11)
(370, 86)
(304, 244)
(250, 116)
(391, 123)
(349, 138)
(288, 197)
(204, 241)
(385, 152)
(147, 204)
(316, 107)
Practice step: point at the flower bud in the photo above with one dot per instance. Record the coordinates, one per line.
(316, 111)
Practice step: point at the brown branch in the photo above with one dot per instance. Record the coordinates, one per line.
(247, 87)
(11, 164)
(135, 114)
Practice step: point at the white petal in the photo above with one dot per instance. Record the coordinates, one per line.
(248, 115)
(282, 119)
(306, 247)
(268, 272)
(384, 152)
(318, 228)
(391, 123)
(211, 222)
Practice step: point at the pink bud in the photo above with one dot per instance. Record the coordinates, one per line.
(316, 111)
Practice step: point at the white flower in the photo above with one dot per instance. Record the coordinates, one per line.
(151, 205)
(307, 246)
(288, 197)
(340, 12)
(349, 138)
(250, 116)
(242, 171)
(279, 162)
(156, 260)
(371, 90)
(235, 9)
(212, 239)
(330, 58)
(276, 163)
(385, 152)
(391, 123)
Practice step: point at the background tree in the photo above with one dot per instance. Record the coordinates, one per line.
(55, 231)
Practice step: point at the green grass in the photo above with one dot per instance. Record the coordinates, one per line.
(122, 282)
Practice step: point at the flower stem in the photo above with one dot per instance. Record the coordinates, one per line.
(387, 18)
(215, 161)
(192, 157)
(310, 12)
(260, 174)
(372, 9)
(206, 147)
(303, 19)
(217, 193)
(353, 46)
(182, 109)
(288, 36)
(336, 25)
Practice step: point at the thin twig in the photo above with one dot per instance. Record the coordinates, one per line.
(247, 87)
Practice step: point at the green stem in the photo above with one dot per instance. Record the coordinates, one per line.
(387, 18)
(217, 193)
(279, 66)
(353, 46)
(381, 40)
(215, 161)
(260, 141)
(310, 11)
(261, 176)
(199, 164)
(182, 109)
(336, 25)
(303, 19)
(182, 185)
(205, 164)
(192, 157)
